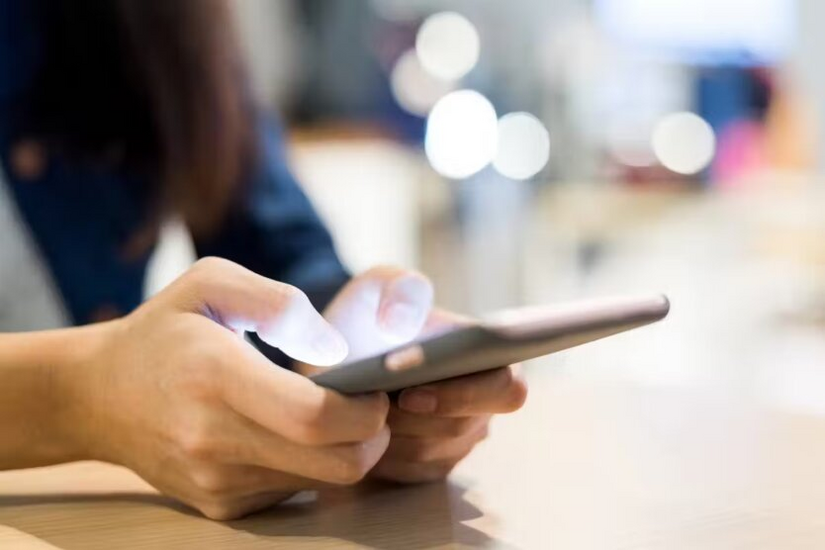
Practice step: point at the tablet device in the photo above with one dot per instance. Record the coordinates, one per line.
(501, 339)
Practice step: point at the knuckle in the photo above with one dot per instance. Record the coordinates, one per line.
(210, 273)
(289, 296)
(460, 402)
(210, 264)
(199, 376)
(219, 510)
(290, 292)
(209, 353)
(313, 425)
(442, 471)
(351, 465)
(211, 482)
(372, 418)
(203, 273)
(378, 412)
(424, 451)
(197, 442)
(457, 427)
(309, 435)
(321, 411)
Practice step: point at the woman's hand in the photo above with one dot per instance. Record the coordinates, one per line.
(435, 426)
(174, 393)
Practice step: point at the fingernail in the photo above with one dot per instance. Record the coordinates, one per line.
(418, 401)
(402, 319)
(405, 305)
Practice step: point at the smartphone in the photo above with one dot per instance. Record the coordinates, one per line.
(500, 339)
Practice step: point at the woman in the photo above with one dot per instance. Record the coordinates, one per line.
(114, 113)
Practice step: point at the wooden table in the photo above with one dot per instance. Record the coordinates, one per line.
(582, 466)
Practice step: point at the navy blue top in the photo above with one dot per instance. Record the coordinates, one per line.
(83, 218)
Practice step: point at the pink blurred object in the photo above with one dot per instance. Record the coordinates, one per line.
(740, 153)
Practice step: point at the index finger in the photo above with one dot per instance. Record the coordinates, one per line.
(295, 407)
(242, 300)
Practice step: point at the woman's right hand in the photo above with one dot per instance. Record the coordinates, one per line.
(175, 394)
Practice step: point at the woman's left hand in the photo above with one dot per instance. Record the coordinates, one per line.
(433, 427)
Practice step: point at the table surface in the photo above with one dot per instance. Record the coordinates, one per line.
(581, 467)
(706, 431)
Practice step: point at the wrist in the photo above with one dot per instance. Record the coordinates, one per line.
(77, 384)
(41, 395)
(64, 367)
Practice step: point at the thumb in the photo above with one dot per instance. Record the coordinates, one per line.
(242, 300)
(383, 306)
(405, 304)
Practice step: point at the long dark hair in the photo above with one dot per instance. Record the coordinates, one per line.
(156, 86)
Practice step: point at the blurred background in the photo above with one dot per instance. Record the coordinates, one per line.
(534, 151)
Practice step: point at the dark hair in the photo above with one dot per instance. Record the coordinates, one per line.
(155, 86)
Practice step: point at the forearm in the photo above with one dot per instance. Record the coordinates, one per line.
(40, 377)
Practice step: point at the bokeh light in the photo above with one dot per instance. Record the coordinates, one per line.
(462, 131)
(448, 45)
(523, 146)
(684, 143)
(416, 90)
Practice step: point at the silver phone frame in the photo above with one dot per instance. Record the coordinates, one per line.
(501, 339)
